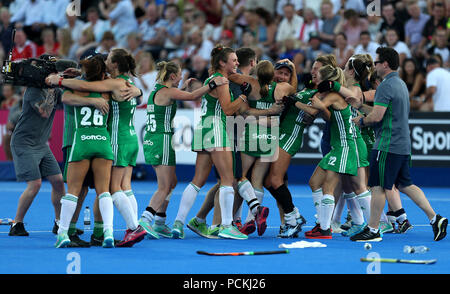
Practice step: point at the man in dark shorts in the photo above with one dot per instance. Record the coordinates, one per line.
(391, 154)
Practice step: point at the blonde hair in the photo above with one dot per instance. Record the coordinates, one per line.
(264, 72)
(327, 59)
(331, 73)
(165, 69)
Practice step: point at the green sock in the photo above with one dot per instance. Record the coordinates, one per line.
(98, 229)
(72, 229)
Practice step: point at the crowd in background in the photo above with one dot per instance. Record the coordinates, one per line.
(186, 31)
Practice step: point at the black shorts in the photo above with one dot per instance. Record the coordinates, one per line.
(88, 179)
(388, 169)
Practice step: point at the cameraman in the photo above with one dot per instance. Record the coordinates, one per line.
(33, 159)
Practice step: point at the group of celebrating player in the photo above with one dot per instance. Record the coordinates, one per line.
(101, 146)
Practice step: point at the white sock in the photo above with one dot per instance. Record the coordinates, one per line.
(383, 217)
(160, 220)
(125, 208)
(259, 195)
(148, 216)
(317, 198)
(226, 199)
(364, 203)
(326, 211)
(106, 209)
(133, 201)
(354, 208)
(291, 217)
(337, 213)
(246, 191)
(68, 207)
(187, 200)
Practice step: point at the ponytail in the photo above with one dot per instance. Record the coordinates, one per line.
(125, 61)
(165, 69)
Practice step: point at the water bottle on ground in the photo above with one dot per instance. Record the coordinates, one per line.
(415, 249)
(87, 218)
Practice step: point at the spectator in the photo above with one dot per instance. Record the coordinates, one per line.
(439, 46)
(64, 38)
(196, 46)
(352, 25)
(438, 87)
(99, 26)
(107, 43)
(415, 81)
(201, 24)
(414, 26)
(390, 21)
(366, 45)
(374, 27)
(30, 15)
(55, 13)
(86, 42)
(6, 29)
(438, 19)
(152, 36)
(267, 29)
(238, 13)
(228, 24)
(188, 17)
(289, 27)
(172, 30)
(227, 39)
(146, 75)
(198, 68)
(9, 97)
(392, 41)
(356, 5)
(75, 25)
(343, 50)
(311, 24)
(290, 51)
(297, 4)
(330, 21)
(122, 19)
(211, 8)
(316, 48)
(134, 43)
(49, 44)
(23, 48)
(269, 5)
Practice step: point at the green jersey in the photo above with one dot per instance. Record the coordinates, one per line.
(121, 121)
(69, 125)
(159, 118)
(89, 116)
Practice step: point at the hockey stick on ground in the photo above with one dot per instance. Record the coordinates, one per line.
(243, 253)
(394, 260)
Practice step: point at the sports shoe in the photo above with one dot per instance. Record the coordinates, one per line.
(18, 229)
(290, 231)
(62, 240)
(404, 226)
(151, 234)
(281, 231)
(440, 228)
(386, 228)
(76, 242)
(320, 234)
(177, 230)
(132, 237)
(261, 219)
(98, 241)
(213, 232)
(56, 227)
(248, 228)
(162, 230)
(231, 232)
(313, 230)
(238, 224)
(367, 235)
(108, 239)
(348, 222)
(336, 227)
(354, 229)
(197, 227)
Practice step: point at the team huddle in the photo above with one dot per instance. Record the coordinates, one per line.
(365, 147)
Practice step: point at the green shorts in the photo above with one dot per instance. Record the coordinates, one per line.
(368, 136)
(209, 134)
(362, 154)
(125, 154)
(291, 138)
(158, 149)
(259, 141)
(91, 143)
(342, 160)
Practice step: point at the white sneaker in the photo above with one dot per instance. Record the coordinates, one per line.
(336, 227)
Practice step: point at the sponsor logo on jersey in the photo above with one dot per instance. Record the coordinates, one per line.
(148, 143)
(93, 138)
(264, 136)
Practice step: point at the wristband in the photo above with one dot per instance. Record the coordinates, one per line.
(140, 94)
(361, 122)
(60, 81)
(212, 85)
